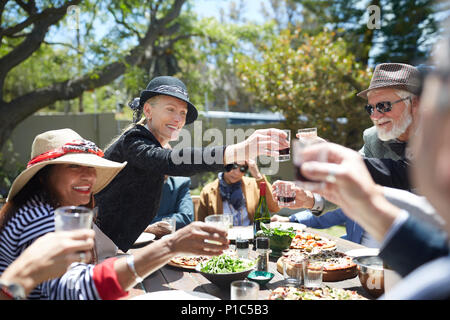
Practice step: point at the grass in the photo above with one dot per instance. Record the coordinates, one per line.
(336, 231)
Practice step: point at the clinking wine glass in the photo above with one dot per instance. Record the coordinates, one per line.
(285, 154)
(219, 220)
(298, 160)
(285, 194)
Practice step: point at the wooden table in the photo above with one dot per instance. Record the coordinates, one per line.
(173, 278)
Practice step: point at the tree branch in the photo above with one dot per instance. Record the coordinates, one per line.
(21, 107)
(71, 89)
(32, 42)
(32, 18)
(68, 45)
(29, 8)
(123, 23)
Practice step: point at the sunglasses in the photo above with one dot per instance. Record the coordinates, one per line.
(233, 166)
(383, 106)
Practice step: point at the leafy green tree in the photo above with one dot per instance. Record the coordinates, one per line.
(347, 18)
(134, 33)
(406, 29)
(313, 77)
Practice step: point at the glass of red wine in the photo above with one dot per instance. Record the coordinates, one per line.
(303, 182)
(285, 194)
(285, 154)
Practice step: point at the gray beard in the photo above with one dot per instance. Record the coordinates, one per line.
(397, 129)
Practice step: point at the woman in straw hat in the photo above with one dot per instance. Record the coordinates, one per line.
(129, 204)
(67, 170)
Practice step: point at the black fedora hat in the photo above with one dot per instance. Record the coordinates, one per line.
(169, 86)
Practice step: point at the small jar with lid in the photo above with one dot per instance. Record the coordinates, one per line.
(263, 251)
(242, 248)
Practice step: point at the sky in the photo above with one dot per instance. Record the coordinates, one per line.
(208, 8)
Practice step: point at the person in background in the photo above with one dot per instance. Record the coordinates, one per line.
(176, 202)
(354, 232)
(393, 100)
(234, 194)
(393, 103)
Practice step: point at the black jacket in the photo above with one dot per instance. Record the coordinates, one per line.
(390, 173)
(130, 202)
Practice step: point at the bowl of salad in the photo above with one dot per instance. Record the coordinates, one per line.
(280, 238)
(224, 269)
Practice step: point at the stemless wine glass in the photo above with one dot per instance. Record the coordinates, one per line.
(172, 221)
(285, 154)
(293, 270)
(285, 194)
(298, 146)
(72, 218)
(244, 290)
(313, 274)
(219, 220)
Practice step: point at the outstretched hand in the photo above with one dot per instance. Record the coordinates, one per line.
(261, 142)
(191, 239)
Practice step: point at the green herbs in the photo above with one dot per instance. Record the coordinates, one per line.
(226, 264)
(277, 231)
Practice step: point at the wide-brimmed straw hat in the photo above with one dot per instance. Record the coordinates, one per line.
(169, 86)
(394, 75)
(66, 146)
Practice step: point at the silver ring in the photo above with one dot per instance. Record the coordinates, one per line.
(82, 257)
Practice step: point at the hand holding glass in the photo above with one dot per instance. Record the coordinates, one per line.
(172, 221)
(220, 220)
(73, 218)
(285, 194)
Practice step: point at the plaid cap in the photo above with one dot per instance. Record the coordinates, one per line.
(394, 75)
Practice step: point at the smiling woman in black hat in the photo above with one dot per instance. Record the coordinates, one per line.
(130, 202)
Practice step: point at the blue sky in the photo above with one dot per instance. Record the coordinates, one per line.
(208, 8)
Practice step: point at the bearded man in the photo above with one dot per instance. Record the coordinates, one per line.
(392, 106)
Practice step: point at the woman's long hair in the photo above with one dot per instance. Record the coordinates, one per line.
(36, 185)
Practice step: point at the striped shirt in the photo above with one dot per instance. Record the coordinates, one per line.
(31, 221)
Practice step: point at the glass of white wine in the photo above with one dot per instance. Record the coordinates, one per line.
(220, 220)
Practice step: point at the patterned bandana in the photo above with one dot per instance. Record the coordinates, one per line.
(76, 146)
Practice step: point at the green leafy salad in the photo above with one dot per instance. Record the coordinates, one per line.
(226, 264)
(277, 231)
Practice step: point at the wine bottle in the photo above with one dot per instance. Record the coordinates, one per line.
(262, 213)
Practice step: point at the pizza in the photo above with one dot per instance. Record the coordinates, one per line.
(323, 293)
(311, 242)
(188, 262)
(337, 266)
